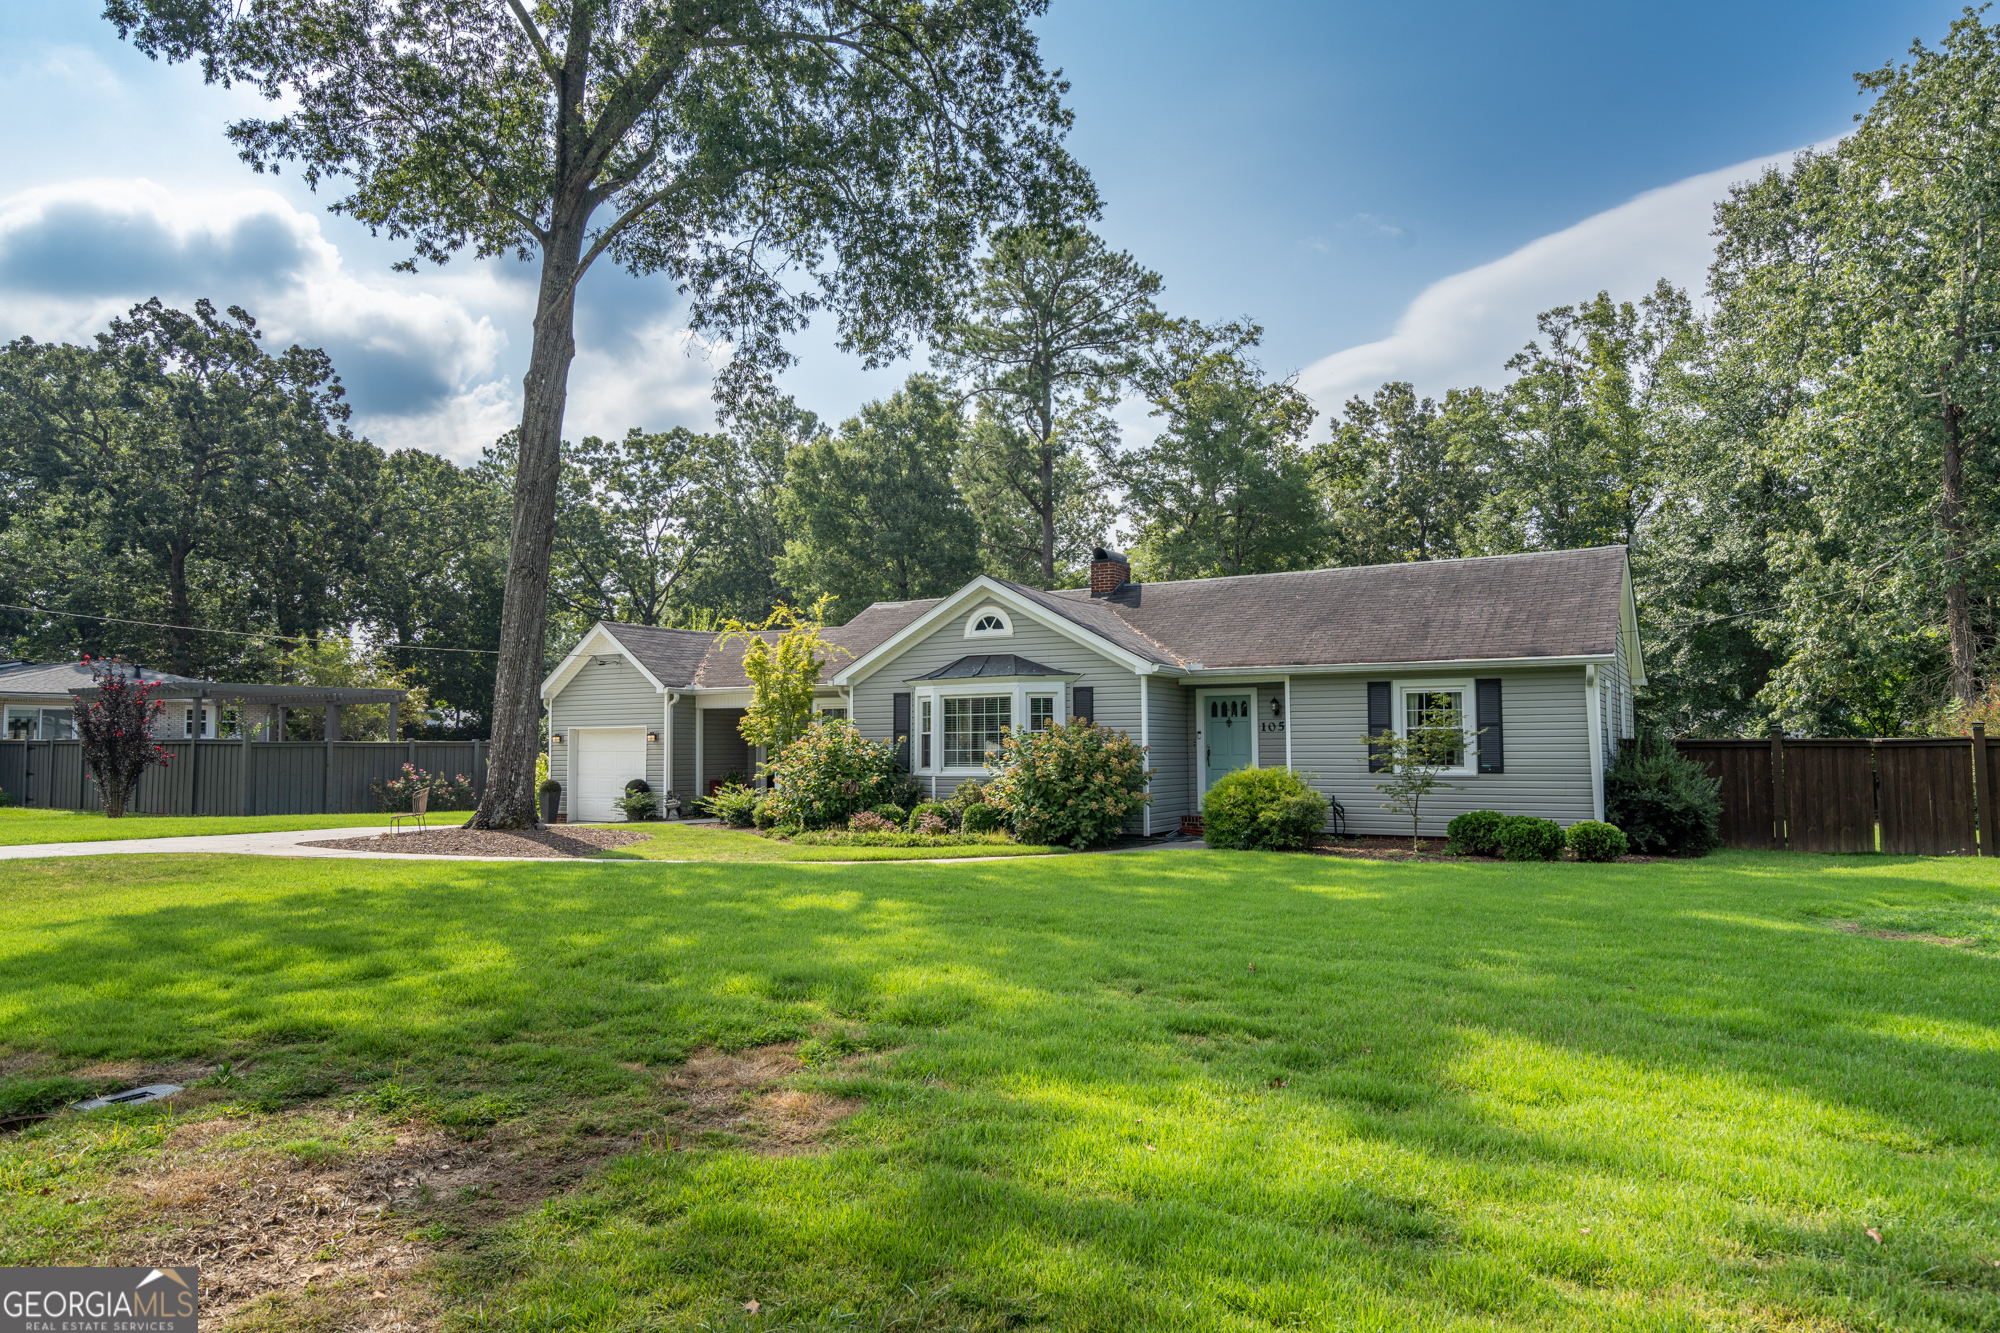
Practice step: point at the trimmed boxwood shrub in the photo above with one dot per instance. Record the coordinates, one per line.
(1476, 832)
(1664, 803)
(1594, 840)
(1256, 809)
(831, 772)
(1067, 785)
(1525, 838)
(970, 792)
(764, 814)
(638, 784)
(983, 818)
(892, 812)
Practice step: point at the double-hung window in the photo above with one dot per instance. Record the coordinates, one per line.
(1435, 708)
(1041, 711)
(924, 733)
(974, 726)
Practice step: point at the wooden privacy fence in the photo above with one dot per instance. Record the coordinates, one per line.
(238, 777)
(1930, 796)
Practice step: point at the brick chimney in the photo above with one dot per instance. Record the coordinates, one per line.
(1109, 571)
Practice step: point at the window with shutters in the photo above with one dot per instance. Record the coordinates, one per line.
(974, 726)
(1439, 701)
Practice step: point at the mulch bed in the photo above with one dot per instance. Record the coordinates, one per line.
(548, 842)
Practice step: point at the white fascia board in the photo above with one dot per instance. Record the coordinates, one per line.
(588, 647)
(1628, 625)
(987, 589)
(1277, 672)
(737, 698)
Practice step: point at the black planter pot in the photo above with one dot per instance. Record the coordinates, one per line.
(551, 800)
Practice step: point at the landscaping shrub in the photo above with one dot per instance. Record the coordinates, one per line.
(830, 773)
(1256, 809)
(1664, 803)
(932, 809)
(850, 838)
(638, 784)
(1071, 785)
(892, 812)
(734, 804)
(1525, 838)
(983, 818)
(870, 822)
(549, 787)
(929, 822)
(765, 813)
(970, 792)
(1476, 832)
(637, 805)
(1594, 840)
(397, 795)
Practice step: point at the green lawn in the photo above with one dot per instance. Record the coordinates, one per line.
(19, 825)
(1167, 1090)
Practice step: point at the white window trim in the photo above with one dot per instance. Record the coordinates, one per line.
(1005, 631)
(1201, 698)
(1400, 712)
(1015, 708)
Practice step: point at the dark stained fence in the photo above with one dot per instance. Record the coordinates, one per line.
(1743, 767)
(1829, 795)
(1927, 796)
(1930, 796)
(225, 777)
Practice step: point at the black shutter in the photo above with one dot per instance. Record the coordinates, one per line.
(900, 725)
(1380, 719)
(1083, 701)
(1492, 736)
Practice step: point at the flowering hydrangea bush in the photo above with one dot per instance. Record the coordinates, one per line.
(399, 795)
(830, 773)
(1072, 785)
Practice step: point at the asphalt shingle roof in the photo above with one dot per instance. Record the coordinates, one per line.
(685, 658)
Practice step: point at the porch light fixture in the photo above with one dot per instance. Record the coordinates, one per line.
(652, 738)
(556, 739)
(1277, 706)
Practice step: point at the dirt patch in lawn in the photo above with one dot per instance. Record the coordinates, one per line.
(567, 841)
(734, 1099)
(323, 1218)
(1948, 941)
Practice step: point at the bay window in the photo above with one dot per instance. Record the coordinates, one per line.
(973, 726)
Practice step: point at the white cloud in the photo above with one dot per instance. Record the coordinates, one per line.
(1460, 330)
(421, 368)
(656, 376)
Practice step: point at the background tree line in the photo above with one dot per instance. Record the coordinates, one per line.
(1804, 466)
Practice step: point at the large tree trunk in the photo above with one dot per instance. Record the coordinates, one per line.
(1957, 595)
(1047, 514)
(180, 639)
(509, 798)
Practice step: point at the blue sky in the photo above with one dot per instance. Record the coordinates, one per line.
(1392, 190)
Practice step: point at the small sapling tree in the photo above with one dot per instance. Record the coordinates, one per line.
(1412, 763)
(782, 674)
(116, 728)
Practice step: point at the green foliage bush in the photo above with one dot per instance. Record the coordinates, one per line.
(1664, 803)
(638, 784)
(1068, 785)
(734, 804)
(1525, 838)
(892, 812)
(1594, 840)
(1476, 832)
(849, 838)
(831, 772)
(937, 808)
(970, 792)
(765, 813)
(547, 787)
(983, 818)
(637, 805)
(1269, 809)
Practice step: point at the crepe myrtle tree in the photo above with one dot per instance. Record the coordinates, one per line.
(774, 157)
(115, 725)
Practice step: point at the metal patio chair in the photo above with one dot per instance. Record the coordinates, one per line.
(418, 805)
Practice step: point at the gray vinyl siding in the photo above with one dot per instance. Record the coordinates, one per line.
(608, 694)
(1170, 725)
(1270, 739)
(1547, 740)
(1117, 699)
(683, 730)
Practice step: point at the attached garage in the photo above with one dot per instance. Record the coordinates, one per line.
(604, 759)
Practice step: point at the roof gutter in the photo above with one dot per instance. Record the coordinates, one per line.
(1198, 672)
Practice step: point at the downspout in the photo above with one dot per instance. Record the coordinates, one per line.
(1593, 716)
(1145, 743)
(1288, 724)
(667, 734)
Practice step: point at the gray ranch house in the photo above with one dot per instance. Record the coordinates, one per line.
(1539, 654)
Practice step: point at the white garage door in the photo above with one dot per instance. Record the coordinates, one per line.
(606, 759)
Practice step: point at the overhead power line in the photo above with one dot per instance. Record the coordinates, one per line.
(234, 633)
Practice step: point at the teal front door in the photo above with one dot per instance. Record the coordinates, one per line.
(1228, 730)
